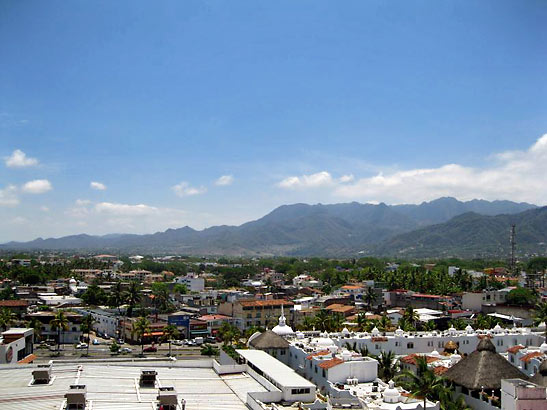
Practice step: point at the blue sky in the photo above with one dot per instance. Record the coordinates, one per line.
(307, 101)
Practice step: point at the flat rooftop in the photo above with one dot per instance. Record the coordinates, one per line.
(281, 373)
(116, 386)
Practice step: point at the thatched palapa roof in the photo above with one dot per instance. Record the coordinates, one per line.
(484, 368)
(269, 340)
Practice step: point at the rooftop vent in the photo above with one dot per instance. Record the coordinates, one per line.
(148, 378)
(42, 374)
(76, 397)
(167, 398)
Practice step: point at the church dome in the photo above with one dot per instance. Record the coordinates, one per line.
(391, 394)
(282, 329)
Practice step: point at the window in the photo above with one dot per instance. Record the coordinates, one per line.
(282, 352)
(410, 345)
(324, 373)
(300, 391)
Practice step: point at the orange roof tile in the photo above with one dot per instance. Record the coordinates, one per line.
(351, 287)
(327, 364)
(440, 370)
(527, 357)
(13, 303)
(271, 302)
(29, 359)
(319, 353)
(411, 358)
(515, 349)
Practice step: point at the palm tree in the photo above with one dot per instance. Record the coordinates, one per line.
(140, 327)
(424, 383)
(369, 297)
(540, 315)
(6, 318)
(411, 316)
(361, 322)
(384, 323)
(387, 365)
(60, 324)
(229, 333)
(170, 332)
(322, 319)
(429, 326)
(117, 296)
(133, 296)
(35, 324)
(87, 326)
(208, 350)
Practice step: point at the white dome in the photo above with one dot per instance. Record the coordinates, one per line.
(435, 353)
(282, 329)
(497, 328)
(391, 394)
(543, 348)
(375, 331)
(469, 329)
(345, 331)
(324, 342)
(399, 332)
(455, 358)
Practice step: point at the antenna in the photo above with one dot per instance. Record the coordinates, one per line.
(512, 261)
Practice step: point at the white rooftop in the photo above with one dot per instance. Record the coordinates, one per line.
(281, 373)
(116, 386)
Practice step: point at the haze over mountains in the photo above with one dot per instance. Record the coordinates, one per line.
(440, 228)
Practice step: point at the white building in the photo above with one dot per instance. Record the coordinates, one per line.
(193, 282)
(292, 387)
(16, 345)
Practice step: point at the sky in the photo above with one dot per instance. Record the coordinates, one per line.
(134, 116)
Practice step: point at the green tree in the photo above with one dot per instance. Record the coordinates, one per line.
(429, 326)
(521, 297)
(387, 366)
(209, 350)
(170, 332)
(59, 323)
(229, 333)
(35, 324)
(423, 384)
(114, 348)
(540, 315)
(6, 318)
(87, 327)
(369, 297)
(140, 327)
(411, 316)
(133, 297)
(94, 296)
(117, 296)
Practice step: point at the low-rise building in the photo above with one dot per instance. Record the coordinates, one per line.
(69, 336)
(16, 346)
(260, 313)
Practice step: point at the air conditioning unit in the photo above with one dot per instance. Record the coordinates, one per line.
(76, 397)
(42, 374)
(148, 378)
(167, 398)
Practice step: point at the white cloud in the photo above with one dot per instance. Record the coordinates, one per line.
(184, 189)
(38, 186)
(82, 202)
(225, 180)
(98, 186)
(318, 180)
(44, 208)
(18, 159)
(125, 209)
(514, 175)
(8, 196)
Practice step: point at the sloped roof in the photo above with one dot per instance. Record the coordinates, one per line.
(269, 340)
(327, 364)
(484, 368)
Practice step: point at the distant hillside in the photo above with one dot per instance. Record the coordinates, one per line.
(471, 235)
(299, 229)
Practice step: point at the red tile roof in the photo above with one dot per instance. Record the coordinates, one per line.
(515, 349)
(319, 353)
(440, 370)
(527, 357)
(13, 303)
(411, 358)
(327, 364)
(271, 302)
(29, 359)
(351, 287)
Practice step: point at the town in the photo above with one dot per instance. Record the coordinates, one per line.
(312, 333)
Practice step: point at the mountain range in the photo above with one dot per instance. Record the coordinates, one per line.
(440, 228)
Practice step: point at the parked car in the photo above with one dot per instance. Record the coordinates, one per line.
(210, 339)
(126, 350)
(81, 346)
(151, 349)
(190, 343)
(178, 342)
(96, 342)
